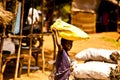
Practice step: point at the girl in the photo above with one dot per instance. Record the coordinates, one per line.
(63, 68)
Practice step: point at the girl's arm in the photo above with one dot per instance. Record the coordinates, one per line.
(56, 39)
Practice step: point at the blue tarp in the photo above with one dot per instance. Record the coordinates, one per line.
(17, 23)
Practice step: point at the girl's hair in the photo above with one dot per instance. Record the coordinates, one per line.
(63, 40)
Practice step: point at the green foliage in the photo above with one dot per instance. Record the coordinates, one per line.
(111, 41)
(66, 7)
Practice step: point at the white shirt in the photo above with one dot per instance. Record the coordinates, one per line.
(35, 16)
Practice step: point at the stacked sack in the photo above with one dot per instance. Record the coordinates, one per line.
(97, 64)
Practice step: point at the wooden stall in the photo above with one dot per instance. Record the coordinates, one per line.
(5, 18)
(84, 20)
(83, 14)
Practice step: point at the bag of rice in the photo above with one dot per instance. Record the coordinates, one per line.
(68, 31)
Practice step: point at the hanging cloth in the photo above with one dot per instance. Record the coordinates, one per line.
(17, 23)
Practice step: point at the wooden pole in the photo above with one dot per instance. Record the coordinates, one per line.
(1, 46)
(20, 41)
(30, 49)
(2, 40)
(43, 59)
(15, 12)
(4, 4)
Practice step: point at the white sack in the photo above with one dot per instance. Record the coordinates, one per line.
(95, 55)
(92, 69)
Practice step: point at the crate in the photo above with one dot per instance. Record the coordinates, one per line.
(84, 20)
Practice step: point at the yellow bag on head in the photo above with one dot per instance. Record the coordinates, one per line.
(68, 31)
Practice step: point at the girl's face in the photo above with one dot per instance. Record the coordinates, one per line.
(67, 44)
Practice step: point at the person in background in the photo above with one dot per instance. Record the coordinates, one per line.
(106, 20)
(34, 16)
(33, 20)
(62, 64)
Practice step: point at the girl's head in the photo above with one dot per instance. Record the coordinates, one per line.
(66, 44)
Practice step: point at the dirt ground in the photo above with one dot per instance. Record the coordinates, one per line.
(106, 40)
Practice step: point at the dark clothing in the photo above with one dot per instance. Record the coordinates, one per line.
(62, 66)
